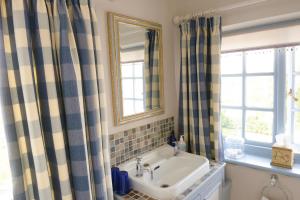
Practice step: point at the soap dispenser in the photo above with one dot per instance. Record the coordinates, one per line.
(181, 144)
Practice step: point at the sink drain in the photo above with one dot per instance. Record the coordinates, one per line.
(164, 186)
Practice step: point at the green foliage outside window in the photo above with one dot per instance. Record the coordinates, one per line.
(229, 126)
(256, 124)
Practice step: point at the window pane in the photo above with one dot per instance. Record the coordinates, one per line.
(127, 85)
(297, 128)
(259, 126)
(297, 91)
(231, 91)
(139, 88)
(232, 63)
(260, 91)
(5, 181)
(259, 61)
(5, 175)
(128, 107)
(138, 70)
(297, 59)
(127, 70)
(231, 120)
(139, 106)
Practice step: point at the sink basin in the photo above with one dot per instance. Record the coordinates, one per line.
(173, 175)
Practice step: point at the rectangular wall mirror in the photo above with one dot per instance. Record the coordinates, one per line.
(136, 68)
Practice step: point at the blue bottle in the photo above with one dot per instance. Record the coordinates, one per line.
(172, 139)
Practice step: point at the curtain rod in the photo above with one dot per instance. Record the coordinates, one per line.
(179, 19)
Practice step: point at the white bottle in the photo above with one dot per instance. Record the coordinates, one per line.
(181, 144)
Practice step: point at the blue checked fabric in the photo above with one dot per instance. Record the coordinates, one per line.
(53, 101)
(199, 95)
(151, 70)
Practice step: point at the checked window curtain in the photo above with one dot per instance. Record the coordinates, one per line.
(52, 97)
(151, 69)
(199, 95)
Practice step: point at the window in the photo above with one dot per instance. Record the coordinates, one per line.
(133, 87)
(254, 94)
(293, 104)
(5, 176)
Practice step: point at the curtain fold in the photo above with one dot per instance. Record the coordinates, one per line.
(199, 95)
(151, 70)
(53, 101)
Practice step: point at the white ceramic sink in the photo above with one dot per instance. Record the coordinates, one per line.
(174, 175)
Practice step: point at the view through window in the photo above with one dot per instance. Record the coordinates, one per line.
(260, 94)
(5, 175)
(133, 87)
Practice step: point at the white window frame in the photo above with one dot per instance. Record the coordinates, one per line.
(291, 104)
(261, 148)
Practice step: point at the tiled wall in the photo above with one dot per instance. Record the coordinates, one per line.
(128, 144)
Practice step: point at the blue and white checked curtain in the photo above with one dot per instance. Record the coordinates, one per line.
(199, 95)
(52, 97)
(151, 69)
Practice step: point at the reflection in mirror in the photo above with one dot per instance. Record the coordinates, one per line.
(136, 67)
(139, 68)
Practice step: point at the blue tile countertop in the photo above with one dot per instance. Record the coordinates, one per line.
(263, 163)
(215, 169)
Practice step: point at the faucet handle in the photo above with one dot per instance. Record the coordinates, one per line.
(138, 158)
(139, 167)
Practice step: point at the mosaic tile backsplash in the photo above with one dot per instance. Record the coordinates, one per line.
(128, 144)
(133, 195)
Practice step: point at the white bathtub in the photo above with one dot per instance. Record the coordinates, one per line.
(175, 173)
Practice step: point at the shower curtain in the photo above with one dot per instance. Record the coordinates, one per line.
(52, 100)
(151, 70)
(199, 95)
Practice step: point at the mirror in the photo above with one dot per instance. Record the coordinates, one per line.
(136, 68)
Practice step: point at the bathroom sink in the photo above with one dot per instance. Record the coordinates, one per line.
(173, 175)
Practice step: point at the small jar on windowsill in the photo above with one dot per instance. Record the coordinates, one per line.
(234, 147)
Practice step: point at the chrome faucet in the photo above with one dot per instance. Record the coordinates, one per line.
(139, 167)
(151, 171)
(175, 148)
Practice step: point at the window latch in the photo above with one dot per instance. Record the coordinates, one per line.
(292, 95)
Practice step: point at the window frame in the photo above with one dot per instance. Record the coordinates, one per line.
(133, 78)
(279, 76)
(293, 74)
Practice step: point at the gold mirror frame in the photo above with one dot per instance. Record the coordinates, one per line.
(113, 20)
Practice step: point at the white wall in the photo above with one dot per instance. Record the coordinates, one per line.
(247, 183)
(153, 10)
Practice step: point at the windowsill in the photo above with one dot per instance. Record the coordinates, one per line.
(263, 163)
